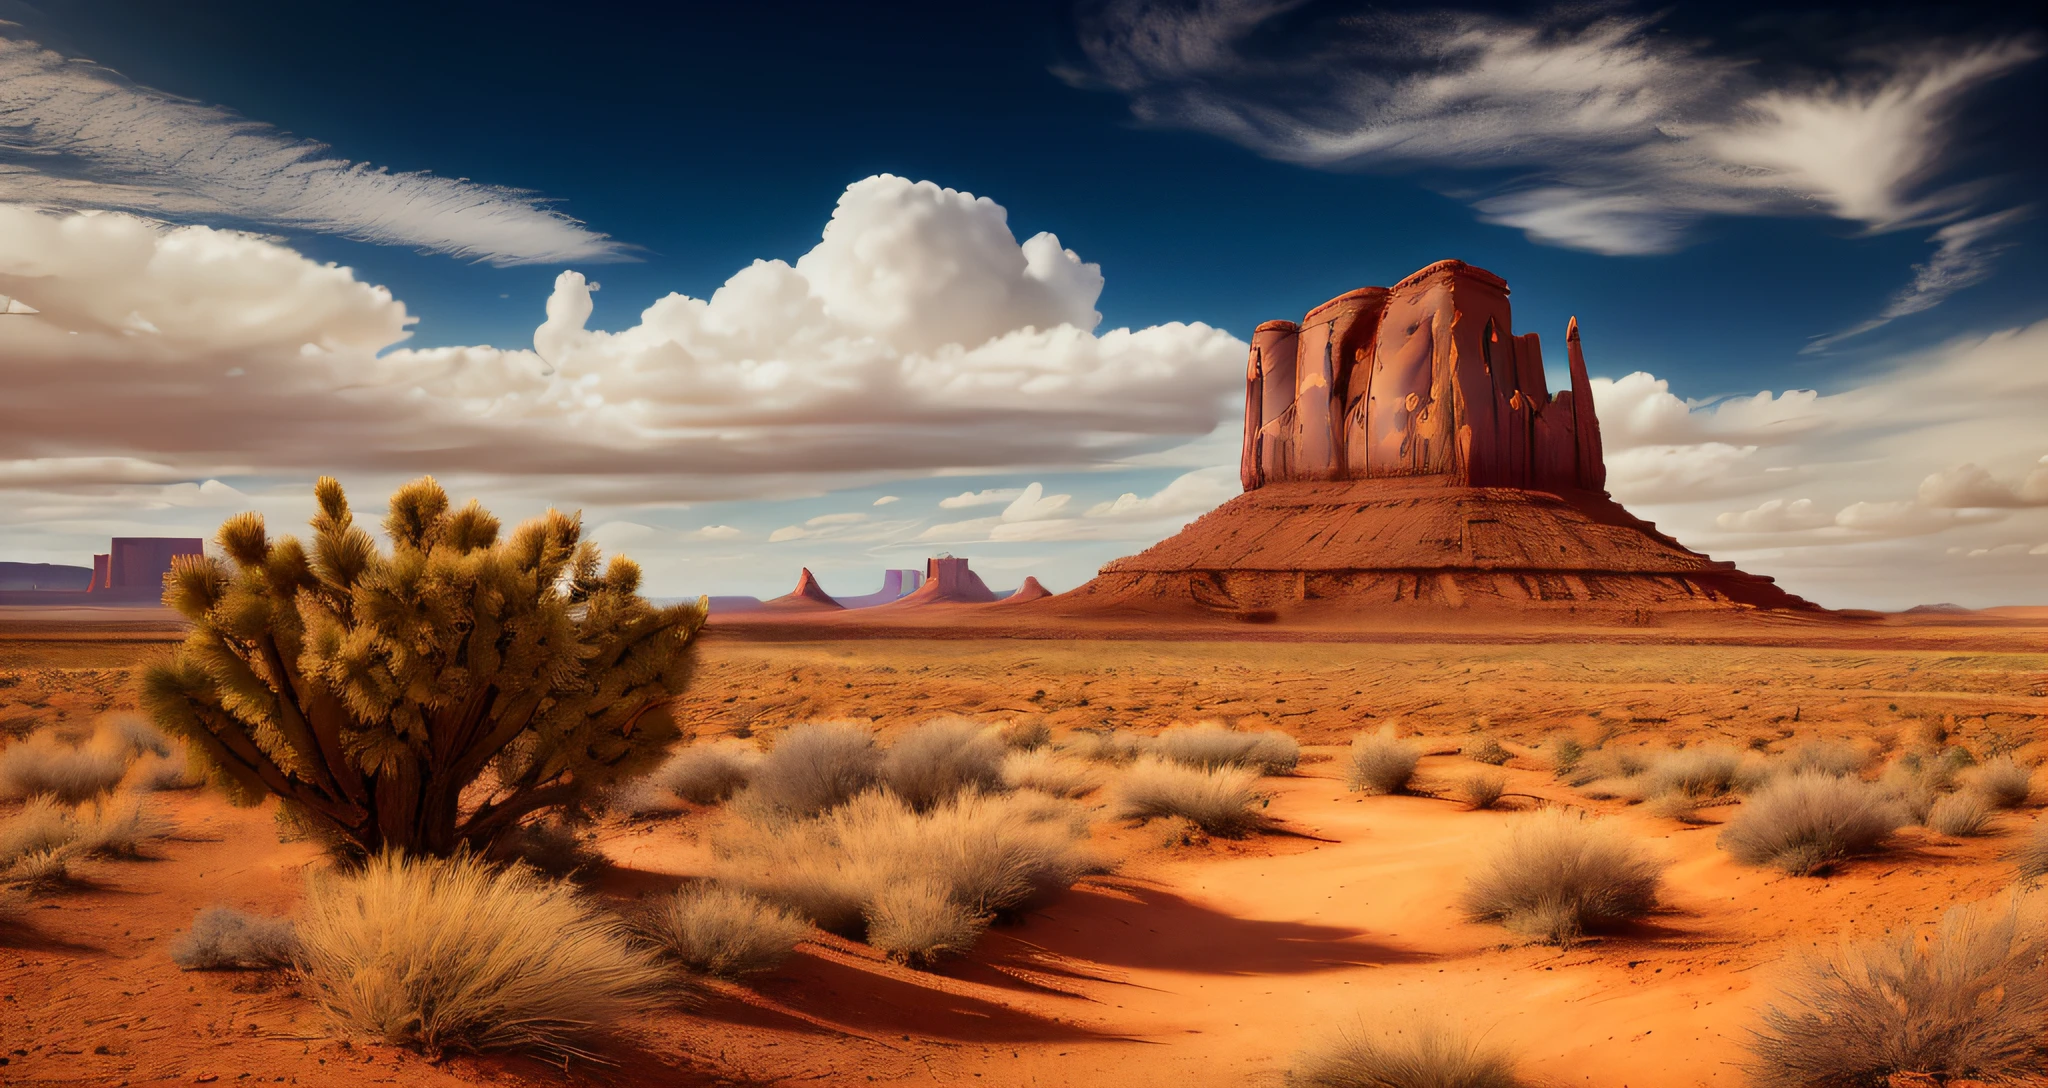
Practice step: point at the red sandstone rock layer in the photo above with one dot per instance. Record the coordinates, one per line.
(947, 580)
(807, 596)
(1031, 590)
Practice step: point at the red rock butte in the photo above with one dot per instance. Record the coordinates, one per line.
(1401, 448)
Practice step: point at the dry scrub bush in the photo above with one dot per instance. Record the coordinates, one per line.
(1221, 801)
(941, 759)
(1805, 823)
(991, 853)
(1565, 753)
(1683, 807)
(428, 698)
(41, 826)
(815, 767)
(1702, 773)
(1026, 736)
(1381, 762)
(1418, 1055)
(1490, 751)
(1825, 757)
(1048, 772)
(710, 773)
(1966, 1003)
(920, 923)
(2001, 782)
(1560, 875)
(223, 938)
(1482, 790)
(118, 825)
(44, 763)
(40, 872)
(1607, 763)
(724, 932)
(1114, 746)
(1959, 814)
(1210, 745)
(156, 774)
(458, 954)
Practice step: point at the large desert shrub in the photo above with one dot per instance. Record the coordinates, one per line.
(1381, 762)
(1417, 1054)
(459, 954)
(919, 921)
(1221, 801)
(991, 853)
(940, 759)
(2001, 782)
(1211, 745)
(1560, 874)
(430, 696)
(224, 938)
(724, 931)
(1804, 823)
(1046, 771)
(43, 763)
(1969, 1002)
(816, 767)
(706, 774)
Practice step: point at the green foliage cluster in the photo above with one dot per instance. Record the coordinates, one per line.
(427, 698)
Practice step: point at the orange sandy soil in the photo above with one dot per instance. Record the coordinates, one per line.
(1195, 964)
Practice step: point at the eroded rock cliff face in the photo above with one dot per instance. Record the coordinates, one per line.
(1401, 448)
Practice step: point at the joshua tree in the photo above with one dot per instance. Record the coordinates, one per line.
(427, 698)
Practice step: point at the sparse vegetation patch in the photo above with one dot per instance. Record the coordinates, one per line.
(1560, 875)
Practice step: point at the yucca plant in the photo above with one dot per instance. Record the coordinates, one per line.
(427, 698)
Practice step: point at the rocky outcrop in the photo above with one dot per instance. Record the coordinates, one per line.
(807, 596)
(947, 580)
(1029, 591)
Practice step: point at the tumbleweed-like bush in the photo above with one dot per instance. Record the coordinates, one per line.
(1110, 746)
(920, 922)
(1211, 745)
(705, 774)
(1046, 771)
(223, 938)
(428, 697)
(1381, 762)
(1221, 801)
(1560, 874)
(2001, 782)
(1805, 823)
(815, 767)
(1966, 1003)
(724, 932)
(1482, 790)
(1702, 772)
(41, 826)
(1489, 750)
(1826, 757)
(991, 853)
(1418, 1054)
(456, 954)
(940, 759)
(1959, 814)
(44, 764)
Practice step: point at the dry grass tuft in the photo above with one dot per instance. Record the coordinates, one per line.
(1113, 746)
(941, 759)
(1490, 751)
(223, 938)
(155, 774)
(1565, 754)
(41, 826)
(920, 923)
(1702, 773)
(40, 872)
(2001, 782)
(1210, 745)
(1683, 807)
(119, 825)
(1825, 757)
(1482, 790)
(1966, 1003)
(1026, 736)
(1621, 764)
(457, 954)
(1048, 772)
(992, 854)
(816, 767)
(724, 932)
(710, 773)
(44, 763)
(1221, 801)
(1560, 875)
(1959, 814)
(1805, 823)
(1420, 1054)
(1381, 762)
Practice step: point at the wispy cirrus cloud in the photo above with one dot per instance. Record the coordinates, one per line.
(1582, 126)
(76, 135)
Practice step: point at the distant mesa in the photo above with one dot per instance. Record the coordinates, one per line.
(130, 572)
(44, 576)
(1401, 449)
(895, 584)
(810, 595)
(1943, 609)
(948, 580)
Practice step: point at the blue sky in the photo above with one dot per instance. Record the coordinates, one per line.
(1722, 194)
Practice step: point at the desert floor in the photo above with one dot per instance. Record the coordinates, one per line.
(1195, 963)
